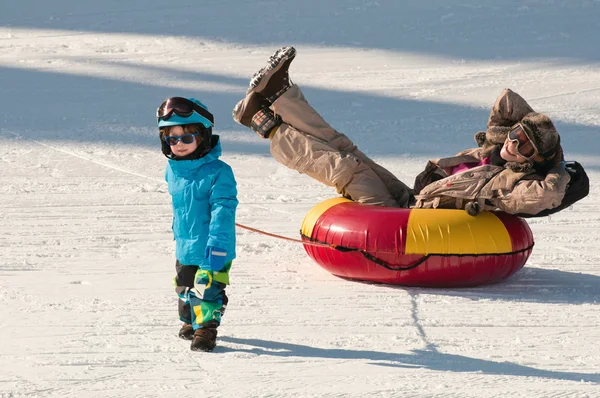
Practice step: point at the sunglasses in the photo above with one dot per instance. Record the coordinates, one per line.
(181, 107)
(172, 140)
(525, 146)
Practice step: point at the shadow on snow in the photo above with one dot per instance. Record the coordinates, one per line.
(461, 29)
(426, 359)
(87, 109)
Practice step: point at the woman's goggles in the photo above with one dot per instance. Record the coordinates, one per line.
(173, 140)
(181, 107)
(525, 146)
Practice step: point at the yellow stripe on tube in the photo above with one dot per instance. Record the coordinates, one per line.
(316, 212)
(445, 231)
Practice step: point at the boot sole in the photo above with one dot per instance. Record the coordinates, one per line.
(282, 57)
(202, 349)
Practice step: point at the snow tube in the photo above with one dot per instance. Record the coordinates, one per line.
(415, 247)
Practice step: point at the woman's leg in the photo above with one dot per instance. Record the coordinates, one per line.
(307, 143)
(314, 157)
(295, 111)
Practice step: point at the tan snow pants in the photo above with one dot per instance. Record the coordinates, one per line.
(306, 143)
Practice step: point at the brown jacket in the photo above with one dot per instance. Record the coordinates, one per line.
(493, 187)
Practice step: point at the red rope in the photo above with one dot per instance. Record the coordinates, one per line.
(304, 242)
(311, 243)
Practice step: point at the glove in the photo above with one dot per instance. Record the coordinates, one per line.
(472, 208)
(216, 257)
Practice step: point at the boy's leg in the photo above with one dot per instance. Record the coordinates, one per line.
(208, 299)
(184, 281)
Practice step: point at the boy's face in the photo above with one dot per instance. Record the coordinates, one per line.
(181, 149)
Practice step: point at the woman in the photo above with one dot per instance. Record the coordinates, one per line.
(517, 167)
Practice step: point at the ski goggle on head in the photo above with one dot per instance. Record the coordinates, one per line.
(181, 107)
(525, 146)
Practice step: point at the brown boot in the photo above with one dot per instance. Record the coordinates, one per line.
(274, 80)
(248, 107)
(186, 332)
(205, 339)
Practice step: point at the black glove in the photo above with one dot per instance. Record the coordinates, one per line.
(472, 208)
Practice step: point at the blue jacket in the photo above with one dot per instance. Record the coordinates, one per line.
(204, 203)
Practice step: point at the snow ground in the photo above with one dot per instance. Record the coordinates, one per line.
(87, 308)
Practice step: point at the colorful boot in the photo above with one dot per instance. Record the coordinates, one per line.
(186, 332)
(273, 80)
(205, 339)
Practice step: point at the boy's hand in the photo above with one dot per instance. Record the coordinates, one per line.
(216, 257)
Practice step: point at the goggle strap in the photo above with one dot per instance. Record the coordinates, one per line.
(204, 113)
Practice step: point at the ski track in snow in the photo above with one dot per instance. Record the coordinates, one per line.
(86, 250)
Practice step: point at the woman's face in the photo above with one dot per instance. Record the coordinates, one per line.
(181, 149)
(510, 153)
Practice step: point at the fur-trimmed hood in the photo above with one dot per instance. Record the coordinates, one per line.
(509, 109)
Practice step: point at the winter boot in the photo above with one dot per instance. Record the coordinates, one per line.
(205, 339)
(273, 80)
(186, 332)
(248, 107)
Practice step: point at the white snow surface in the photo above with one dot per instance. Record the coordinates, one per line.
(87, 307)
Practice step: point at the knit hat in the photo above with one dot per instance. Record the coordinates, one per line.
(542, 132)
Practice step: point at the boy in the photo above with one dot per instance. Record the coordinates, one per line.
(204, 198)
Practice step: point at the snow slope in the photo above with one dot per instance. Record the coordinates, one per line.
(87, 307)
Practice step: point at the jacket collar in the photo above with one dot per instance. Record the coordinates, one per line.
(185, 167)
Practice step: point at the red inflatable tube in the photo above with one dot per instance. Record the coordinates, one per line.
(416, 247)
